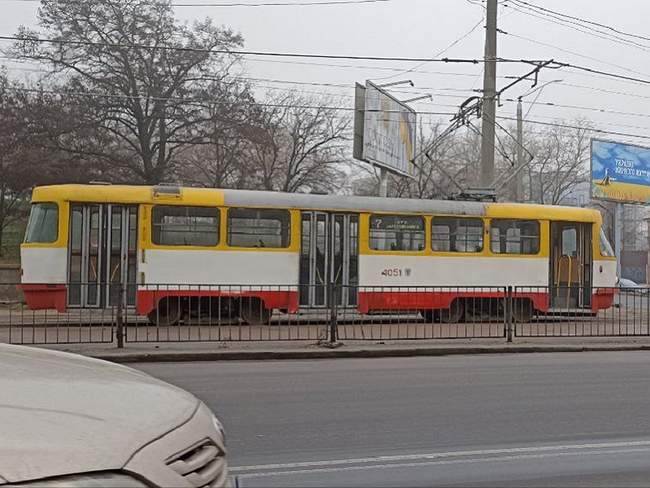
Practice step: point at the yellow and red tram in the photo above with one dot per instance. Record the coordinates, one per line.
(90, 246)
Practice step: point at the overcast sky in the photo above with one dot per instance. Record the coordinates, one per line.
(424, 28)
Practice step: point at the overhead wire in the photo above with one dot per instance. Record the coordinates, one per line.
(280, 4)
(583, 20)
(237, 52)
(257, 4)
(574, 53)
(573, 25)
(205, 101)
(439, 53)
(573, 126)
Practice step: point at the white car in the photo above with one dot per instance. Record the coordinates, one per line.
(71, 421)
(627, 285)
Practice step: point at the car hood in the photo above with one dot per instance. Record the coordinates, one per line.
(63, 413)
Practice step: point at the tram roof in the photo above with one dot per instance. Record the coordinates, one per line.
(133, 194)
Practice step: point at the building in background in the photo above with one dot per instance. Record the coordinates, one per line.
(635, 238)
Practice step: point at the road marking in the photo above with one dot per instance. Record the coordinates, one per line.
(408, 457)
(425, 459)
(265, 474)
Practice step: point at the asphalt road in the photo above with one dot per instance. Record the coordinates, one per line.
(570, 419)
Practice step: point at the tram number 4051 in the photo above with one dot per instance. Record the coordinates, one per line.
(396, 272)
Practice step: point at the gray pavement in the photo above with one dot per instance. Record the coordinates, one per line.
(489, 420)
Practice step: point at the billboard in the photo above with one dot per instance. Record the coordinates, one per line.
(620, 172)
(384, 130)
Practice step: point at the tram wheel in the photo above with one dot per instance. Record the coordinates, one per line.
(429, 316)
(166, 314)
(253, 312)
(454, 313)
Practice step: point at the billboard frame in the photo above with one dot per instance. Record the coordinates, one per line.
(591, 171)
(359, 128)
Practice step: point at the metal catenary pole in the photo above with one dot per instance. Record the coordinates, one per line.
(509, 315)
(489, 96)
(383, 182)
(119, 319)
(520, 153)
(618, 237)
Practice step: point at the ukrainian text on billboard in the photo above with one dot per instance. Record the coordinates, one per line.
(620, 172)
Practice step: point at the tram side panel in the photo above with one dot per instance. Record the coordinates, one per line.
(432, 282)
(44, 276)
(604, 283)
(269, 276)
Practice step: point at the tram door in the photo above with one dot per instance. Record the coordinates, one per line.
(102, 254)
(329, 253)
(571, 263)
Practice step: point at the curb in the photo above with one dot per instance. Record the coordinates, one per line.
(185, 356)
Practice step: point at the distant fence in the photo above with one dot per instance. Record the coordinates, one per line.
(220, 313)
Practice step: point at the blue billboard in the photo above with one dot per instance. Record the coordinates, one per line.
(620, 172)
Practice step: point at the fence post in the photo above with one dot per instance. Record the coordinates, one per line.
(119, 319)
(333, 300)
(509, 314)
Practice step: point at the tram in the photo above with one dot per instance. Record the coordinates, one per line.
(92, 246)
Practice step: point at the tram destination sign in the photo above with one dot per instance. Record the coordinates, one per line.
(620, 172)
(396, 223)
(384, 130)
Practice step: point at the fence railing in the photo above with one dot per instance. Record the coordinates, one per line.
(120, 314)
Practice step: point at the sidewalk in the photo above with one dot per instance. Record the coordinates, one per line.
(239, 351)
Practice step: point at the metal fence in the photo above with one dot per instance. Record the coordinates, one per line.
(203, 313)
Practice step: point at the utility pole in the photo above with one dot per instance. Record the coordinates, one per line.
(489, 96)
(383, 182)
(519, 187)
(618, 236)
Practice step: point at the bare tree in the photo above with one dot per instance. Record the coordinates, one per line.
(560, 163)
(297, 144)
(218, 159)
(431, 178)
(135, 70)
(24, 162)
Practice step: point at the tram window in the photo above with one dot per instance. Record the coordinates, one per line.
(43, 225)
(185, 226)
(569, 242)
(396, 233)
(251, 227)
(514, 236)
(456, 235)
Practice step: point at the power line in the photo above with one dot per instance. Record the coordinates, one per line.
(582, 107)
(277, 4)
(345, 86)
(574, 53)
(260, 53)
(603, 73)
(356, 66)
(348, 86)
(324, 65)
(574, 25)
(198, 100)
(257, 4)
(604, 90)
(570, 126)
(615, 125)
(586, 21)
(440, 53)
(332, 108)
